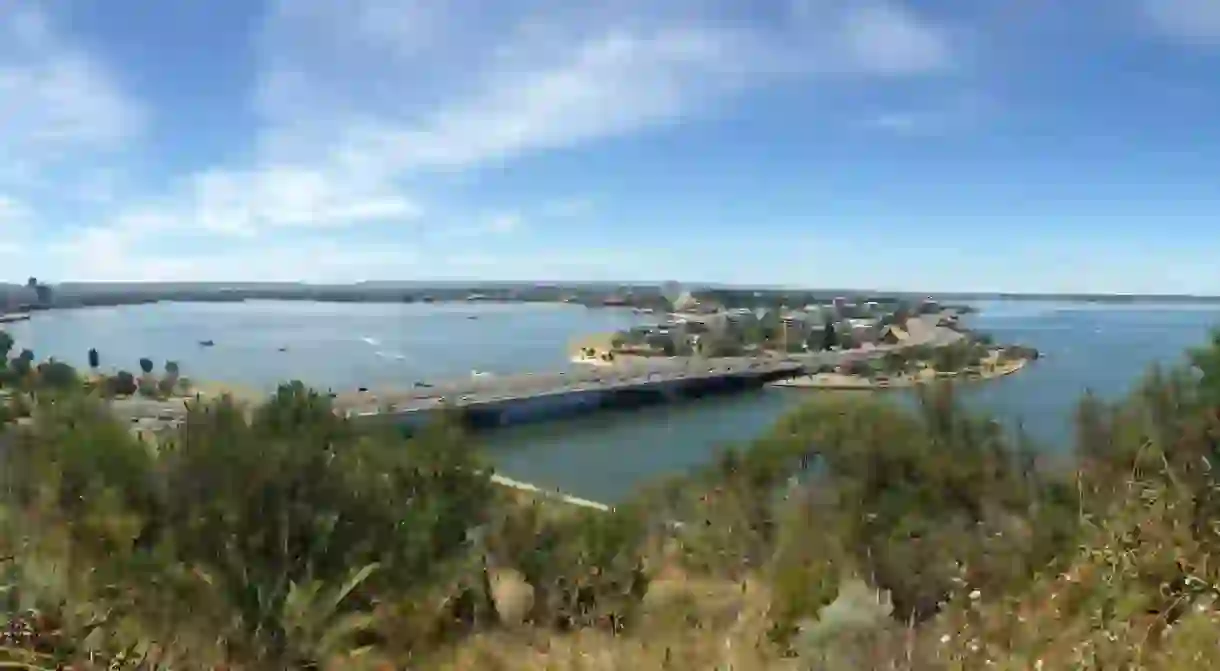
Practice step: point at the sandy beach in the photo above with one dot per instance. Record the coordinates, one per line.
(844, 382)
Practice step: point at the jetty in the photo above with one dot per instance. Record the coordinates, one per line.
(485, 401)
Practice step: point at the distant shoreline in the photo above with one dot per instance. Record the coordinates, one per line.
(80, 295)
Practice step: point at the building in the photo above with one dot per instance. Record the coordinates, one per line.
(863, 330)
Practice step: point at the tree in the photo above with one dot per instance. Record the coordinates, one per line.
(169, 382)
(146, 365)
(23, 363)
(894, 363)
(58, 375)
(6, 345)
(830, 339)
(901, 316)
(44, 294)
(123, 384)
(94, 359)
(770, 326)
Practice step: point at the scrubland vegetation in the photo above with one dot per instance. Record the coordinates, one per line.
(854, 535)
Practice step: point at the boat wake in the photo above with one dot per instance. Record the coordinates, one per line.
(390, 355)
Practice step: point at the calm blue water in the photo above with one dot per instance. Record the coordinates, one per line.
(339, 345)
(603, 456)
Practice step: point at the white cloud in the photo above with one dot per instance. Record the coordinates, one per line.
(55, 99)
(361, 101)
(1192, 21)
(12, 211)
(549, 74)
(505, 222)
(565, 208)
(326, 259)
(887, 39)
(281, 196)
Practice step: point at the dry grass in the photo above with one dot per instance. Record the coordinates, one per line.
(688, 624)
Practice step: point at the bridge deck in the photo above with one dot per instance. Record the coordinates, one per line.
(491, 389)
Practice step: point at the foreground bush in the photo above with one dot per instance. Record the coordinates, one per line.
(273, 539)
(854, 535)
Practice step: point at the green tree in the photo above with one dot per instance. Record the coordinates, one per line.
(122, 383)
(44, 293)
(94, 359)
(6, 346)
(23, 363)
(770, 326)
(830, 339)
(894, 362)
(146, 365)
(58, 375)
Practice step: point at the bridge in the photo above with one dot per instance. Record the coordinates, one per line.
(510, 399)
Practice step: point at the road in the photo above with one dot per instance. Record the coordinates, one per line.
(491, 389)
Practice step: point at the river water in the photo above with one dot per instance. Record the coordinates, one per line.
(603, 456)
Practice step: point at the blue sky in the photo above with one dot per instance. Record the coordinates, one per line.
(950, 145)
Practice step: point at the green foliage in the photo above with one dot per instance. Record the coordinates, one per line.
(94, 359)
(586, 568)
(859, 367)
(122, 383)
(279, 531)
(23, 363)
(6, 346)
(830, 339)
(846, 632)
(894, 363)
(886, 536)
(146, 365)
(58, 375)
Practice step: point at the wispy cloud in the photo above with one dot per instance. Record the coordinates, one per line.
(12, 211)
(504, 222)
(550, 74)
(564, 208)
(360, 102)
(1192, 21)
(56, 101)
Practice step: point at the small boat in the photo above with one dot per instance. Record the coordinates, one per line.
(206, 343)
(479, 373)
(282, 349)
(472, 317)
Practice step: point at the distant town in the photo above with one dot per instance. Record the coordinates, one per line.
(36, 294)
(707, 327)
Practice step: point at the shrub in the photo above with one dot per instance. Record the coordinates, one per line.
(587, 568)
(58, 375)
(918, 495)
(280, 531)
(122, 383)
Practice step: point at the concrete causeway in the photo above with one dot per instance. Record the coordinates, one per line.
(662, 376)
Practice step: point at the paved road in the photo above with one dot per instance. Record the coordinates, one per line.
(478, 390)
